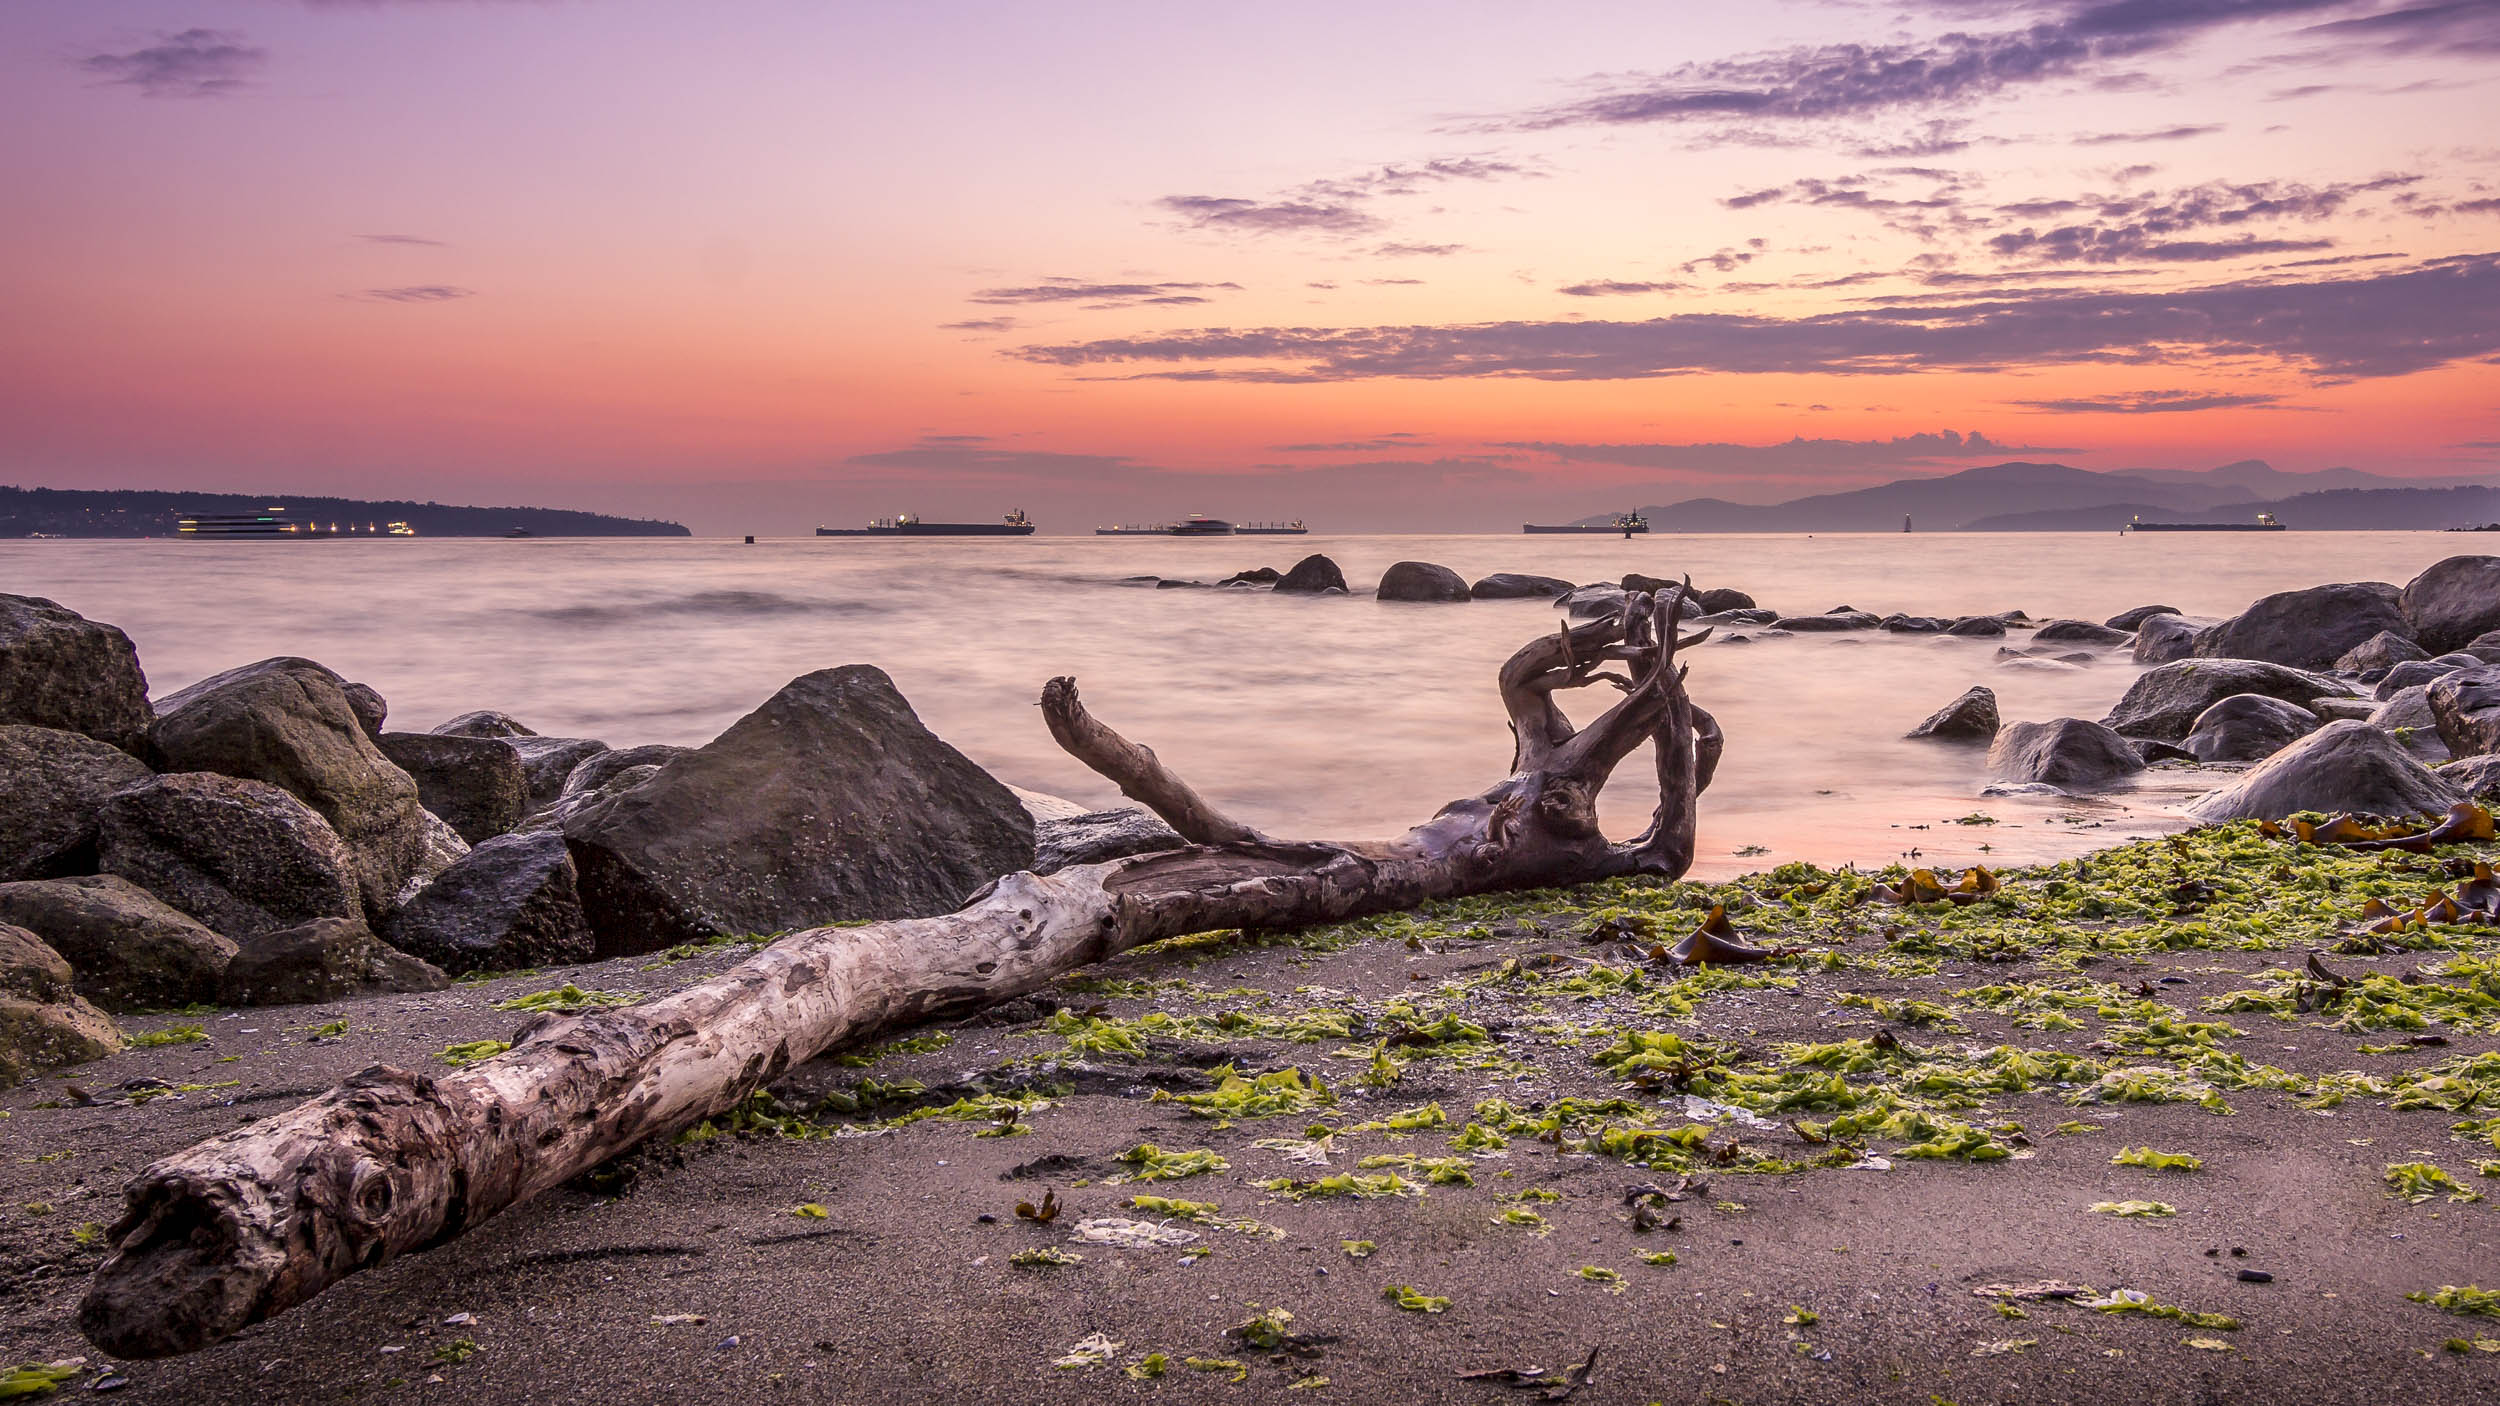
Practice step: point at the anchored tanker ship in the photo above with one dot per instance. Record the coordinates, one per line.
(1015, 524)
(1625, 523)
(2265, 523)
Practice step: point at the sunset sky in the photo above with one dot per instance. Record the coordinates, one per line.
(760, 263)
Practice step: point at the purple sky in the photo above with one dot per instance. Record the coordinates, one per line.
(758, 265)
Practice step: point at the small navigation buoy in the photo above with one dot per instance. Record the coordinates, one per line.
(750, 539)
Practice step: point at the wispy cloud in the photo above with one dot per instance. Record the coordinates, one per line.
(1418, 251)
(980, 324)
(1339, 205)
(2150, 403)
(1233, 214)
(2470, 27)
(1394, 440)
(2144, 226)
(416, 293)
(2082, 40)
(1799, 455)
(2381, 324)
(1616, 288)
(2159, 134)
(1103, 295)
(193, 63)
(401, 239)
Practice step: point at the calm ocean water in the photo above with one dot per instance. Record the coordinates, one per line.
(1343, 717)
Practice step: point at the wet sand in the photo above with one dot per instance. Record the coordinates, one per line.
(901, 1293)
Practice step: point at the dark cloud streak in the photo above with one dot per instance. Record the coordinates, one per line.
(1101, 295)
(194, 63)
(2371, 325)
(418, 293)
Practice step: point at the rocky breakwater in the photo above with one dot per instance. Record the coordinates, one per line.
(259, 838)
(2332, 693)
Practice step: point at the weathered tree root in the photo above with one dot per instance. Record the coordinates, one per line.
(250, 1223)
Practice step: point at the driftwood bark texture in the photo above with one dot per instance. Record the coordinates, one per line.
(250, 1223)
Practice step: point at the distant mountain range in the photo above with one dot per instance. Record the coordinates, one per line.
(79, 512)
(2026, 497)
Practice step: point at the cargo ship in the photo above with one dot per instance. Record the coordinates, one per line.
(1015, 524)
(1195, 525)
(2265, 523)
(1625, 523)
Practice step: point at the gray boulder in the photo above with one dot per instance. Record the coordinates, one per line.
(830, 801)
(2485, 646)
(129, 951)
(1831, 622)
(548, 762)
(2133, 620)
(2153, 750)
(1421, 581)
(2384, 650)
(597, 770)
(2472, 777)
(370, 708)
(2162, 639)
(287, 722)
(2408, 718)
(2065, 752)
(1310, 576)
(1255, 576)
(485, 723)
(1986, 627)
(2343, 766)
(1913, 624)
(1969, 718)
(2310, 628)
(564, 807)
(2458, 659)
(51, 784)
(59, 669)
(2081, 632)
(1590, 602)
(2453, 601)
(44, 1022)
(2411, 674)
(1510, 585)
(241, 856)
(1722, 598)
(474, 783)
(2247, 727)
(1097, 836)
(327, 959)
(2465, 706)
(443, 849)
(2329, 709)
(511, 902)
(2166, 701)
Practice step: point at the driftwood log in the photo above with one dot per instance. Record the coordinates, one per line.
(252, 1222)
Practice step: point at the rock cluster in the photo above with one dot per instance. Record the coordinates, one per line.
(259, 838)
(2334, 691)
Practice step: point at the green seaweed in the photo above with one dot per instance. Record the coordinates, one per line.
(1414, 1300)
(1155, 1164)
(568, 999)
(466, 1053)
(2150, 1160)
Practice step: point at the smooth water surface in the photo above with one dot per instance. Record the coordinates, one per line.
(1332, 716)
